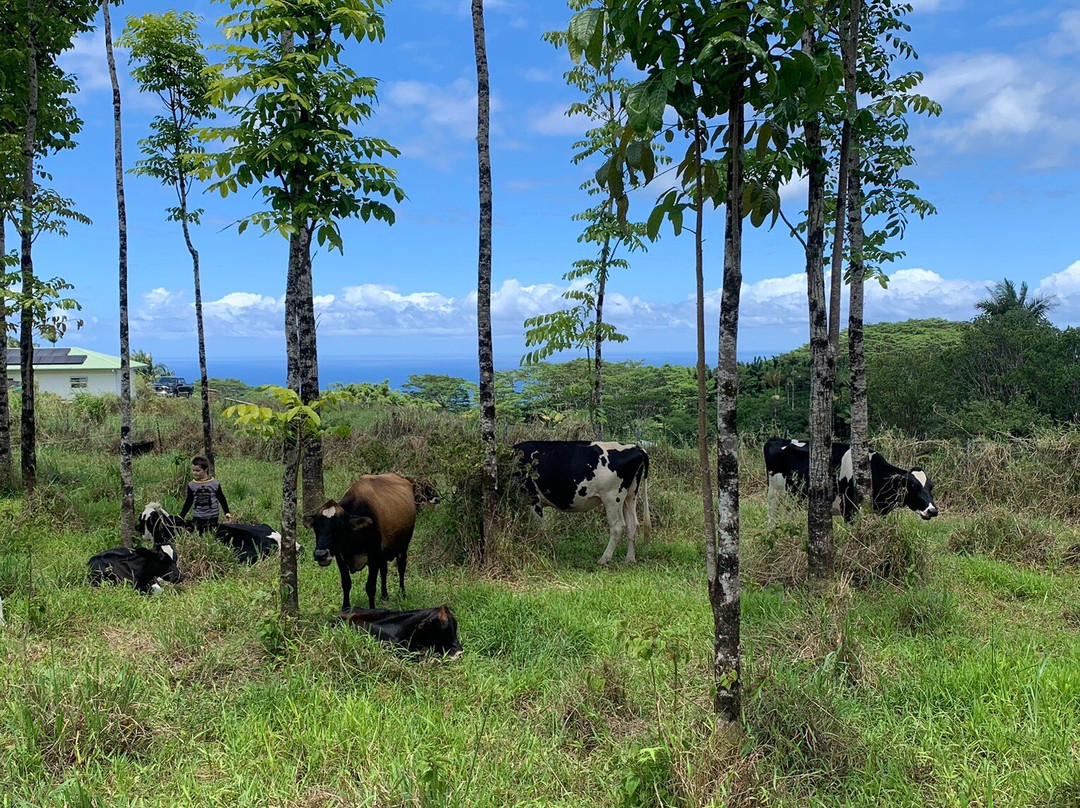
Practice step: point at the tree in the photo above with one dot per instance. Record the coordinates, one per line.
(127, 477)
(1005, 297)
(30, 40)
(150, 369)
(483, 283)
(582, 326)
(878, 190)
(168, 60)
(293, 106)
(699, 59)
(447, 392)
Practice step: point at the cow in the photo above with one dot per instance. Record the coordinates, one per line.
(787, 465)
(249, 543)
(371, 526)
(578, 476)
(424, 493)
(141, 567)
(419, 631)
(159, 526)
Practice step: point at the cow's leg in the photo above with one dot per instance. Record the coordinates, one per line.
(848, 501)
(615, 524)
(777, 485)
(373, 573)
(402, 561)
(346, 583)
(383, 564)
(630, 520)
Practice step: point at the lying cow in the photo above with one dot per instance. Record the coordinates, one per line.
(578, 476)
(371, 526)
(419, 631)
(159, 526)
(787, 464)
(249, 543)
(141, 567)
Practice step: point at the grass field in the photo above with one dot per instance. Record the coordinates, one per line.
(941, 669)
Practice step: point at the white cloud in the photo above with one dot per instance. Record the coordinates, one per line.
(769, 306)
(555, 121)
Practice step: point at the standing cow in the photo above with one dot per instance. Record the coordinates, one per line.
(371, 525)
(581, 475)
(787, 464)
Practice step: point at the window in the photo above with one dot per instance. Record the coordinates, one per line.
(79, 382)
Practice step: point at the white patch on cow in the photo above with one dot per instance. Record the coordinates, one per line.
(847, 466)
(777, 486)
(799, 444)
(276, 537)
(155, 588)
(168, 550)
(329, 513)
(152, 507)
(920, 476)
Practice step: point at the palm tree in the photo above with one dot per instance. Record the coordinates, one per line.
(483, 286)
(1005, 297)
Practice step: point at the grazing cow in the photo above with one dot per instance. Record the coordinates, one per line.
(159, 526)
(371, 525)
(787, 464)
(141, 567)
(581, 475)
(249, 542)
(419, 631)
(424, 493)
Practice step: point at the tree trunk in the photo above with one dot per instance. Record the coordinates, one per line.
(127, 479)
(836, 281)
(598, 363)
(7, 468)
(311, 445)
(483, 284)
(822, 364)
(26, 231)
(860, 417)
(723, 562)
(704, 470)
(290, 600)
(207, 423)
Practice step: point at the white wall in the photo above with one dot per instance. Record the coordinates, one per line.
(59, 382)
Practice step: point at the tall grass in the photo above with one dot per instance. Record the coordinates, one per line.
(941, 668)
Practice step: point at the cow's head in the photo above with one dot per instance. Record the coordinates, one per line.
(332, 524)
(161, 562)
(919, 493)
(424, 493)
(438, 633)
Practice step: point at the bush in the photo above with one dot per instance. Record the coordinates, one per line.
(874, 549)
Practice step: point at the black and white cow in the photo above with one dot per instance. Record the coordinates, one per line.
(249, 542)
(787, 464)
(159, 526)
(141, 567)
(578, 476)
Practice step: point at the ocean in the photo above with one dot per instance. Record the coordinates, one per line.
(373, 370)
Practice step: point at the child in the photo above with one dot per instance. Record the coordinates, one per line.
(204, 492)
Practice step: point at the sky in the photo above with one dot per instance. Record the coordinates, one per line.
(1002, 165)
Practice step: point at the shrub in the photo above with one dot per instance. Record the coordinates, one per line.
(881, 549)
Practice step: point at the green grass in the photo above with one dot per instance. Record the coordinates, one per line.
(958, 686)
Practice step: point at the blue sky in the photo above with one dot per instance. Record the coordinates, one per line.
(1001, 164)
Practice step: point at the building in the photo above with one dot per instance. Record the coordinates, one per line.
(70, 371)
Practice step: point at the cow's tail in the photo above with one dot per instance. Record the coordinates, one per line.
(645, 497)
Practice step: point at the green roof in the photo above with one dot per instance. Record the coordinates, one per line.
(52, 359)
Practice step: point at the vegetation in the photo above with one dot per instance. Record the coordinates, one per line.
(577, 686)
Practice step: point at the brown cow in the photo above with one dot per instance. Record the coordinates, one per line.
(372, 524)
